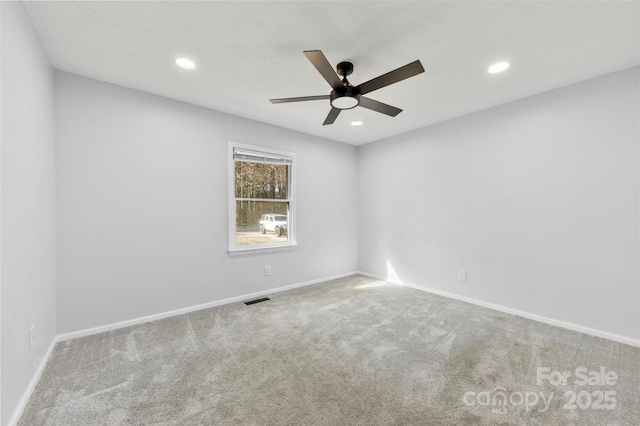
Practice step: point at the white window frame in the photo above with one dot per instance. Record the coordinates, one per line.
(235, 249)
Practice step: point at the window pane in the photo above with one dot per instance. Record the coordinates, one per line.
(261, 222)
(261, 180)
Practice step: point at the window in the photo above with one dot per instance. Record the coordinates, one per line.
(261, 201)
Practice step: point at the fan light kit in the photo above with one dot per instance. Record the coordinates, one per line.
(346, 96)
(356, 123)
(185, 63)
(499, 67)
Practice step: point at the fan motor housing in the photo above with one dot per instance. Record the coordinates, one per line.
(347, 97)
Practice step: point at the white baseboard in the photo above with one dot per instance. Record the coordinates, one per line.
(570, 326)
(162, 315)
(32, 385)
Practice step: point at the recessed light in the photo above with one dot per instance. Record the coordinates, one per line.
(185, 63)
(356, 123)
(499, 67)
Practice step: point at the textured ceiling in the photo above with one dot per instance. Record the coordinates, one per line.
(249, 52)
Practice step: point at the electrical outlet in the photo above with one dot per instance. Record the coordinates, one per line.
(32, 336)
(267, 270)
(462, 275)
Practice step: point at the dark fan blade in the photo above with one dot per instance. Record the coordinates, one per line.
(323, 66)
(391, 77)
(303, 98)
(379, 106)
(333, 114)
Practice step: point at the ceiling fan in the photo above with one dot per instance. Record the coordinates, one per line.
(344, 95)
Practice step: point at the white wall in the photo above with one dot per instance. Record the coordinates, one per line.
(537, 199)
(141, 186)
(27, 214)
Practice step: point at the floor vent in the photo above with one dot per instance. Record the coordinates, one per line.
(251, 302)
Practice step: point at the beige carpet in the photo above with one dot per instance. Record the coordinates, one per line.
(354, 351)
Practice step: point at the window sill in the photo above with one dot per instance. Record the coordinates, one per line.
(261, 250)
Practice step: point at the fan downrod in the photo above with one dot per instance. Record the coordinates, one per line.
(344, 68)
